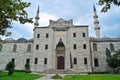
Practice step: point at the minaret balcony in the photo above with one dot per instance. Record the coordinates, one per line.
(95, 16)
(97, 28)
(96, 22)
(36, 24)
(37, 18)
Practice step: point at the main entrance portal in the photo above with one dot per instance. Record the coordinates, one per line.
(60, 55)
(60, 62)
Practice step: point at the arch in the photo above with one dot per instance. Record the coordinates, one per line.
(0, 47)
(60, 55)
(29, 48)
(112, 47)
(14, 48)
(94, 47)
(60, 44)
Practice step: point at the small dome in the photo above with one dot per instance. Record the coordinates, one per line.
(9, 39)
(31, 39)
(118, 37)
(92, 38)
(21, 39)
(106, 37)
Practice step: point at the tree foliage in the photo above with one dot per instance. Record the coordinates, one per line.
(108, 54)
(12, 10)
(27, 67)
(10, 67)
(114, 61)
(107, 4)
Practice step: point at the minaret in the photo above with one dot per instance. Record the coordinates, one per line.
(36, 24)
(96, 23)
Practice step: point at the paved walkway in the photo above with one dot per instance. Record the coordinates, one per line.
(48, 77)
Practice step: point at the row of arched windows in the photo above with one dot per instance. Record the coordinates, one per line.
(28, 48)
(111, 47)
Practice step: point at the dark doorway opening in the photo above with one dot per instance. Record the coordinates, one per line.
(60, 62)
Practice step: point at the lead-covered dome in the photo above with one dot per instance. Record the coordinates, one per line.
(21, 39)
(9, 39)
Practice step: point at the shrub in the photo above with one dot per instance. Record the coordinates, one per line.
(27, 68)
(98, 72)
(10, 67)
(56, 77)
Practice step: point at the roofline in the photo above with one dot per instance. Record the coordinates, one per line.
(81, 25)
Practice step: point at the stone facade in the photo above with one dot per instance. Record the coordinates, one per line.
(60, 46)
(102, 44)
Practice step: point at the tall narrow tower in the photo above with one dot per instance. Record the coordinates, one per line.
(96, 23)
(36, 24)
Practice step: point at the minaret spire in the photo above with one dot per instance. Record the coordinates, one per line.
(36, 24)
(94, 9)
(96, 23)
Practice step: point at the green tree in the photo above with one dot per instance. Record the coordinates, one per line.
(27, 67)
(107, 4)
(10, 67)
(12, 10)
(114, 61)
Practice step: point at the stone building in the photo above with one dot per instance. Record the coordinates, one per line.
(59, 47)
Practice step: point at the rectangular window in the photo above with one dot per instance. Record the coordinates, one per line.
(46, 47)
(84, 46)
(1, 47)
(13, 60)
(45, 60)
(96, 63)
(37, 47)
(28, 61)
(83, 34)
(36, 61)
(74, 46)
(74, 34)
(75, 60)
(47, 35)
(85, 61)
(38, 35)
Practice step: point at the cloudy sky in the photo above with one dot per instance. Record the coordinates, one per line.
(81, 11)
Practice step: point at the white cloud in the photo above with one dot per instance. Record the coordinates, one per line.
(80, 11)
(45, 17)
(87, 20)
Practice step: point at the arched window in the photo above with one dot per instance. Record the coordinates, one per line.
(96, 62)
(0, 47)
(94, 47)
(29, 48)
(14, 48)
(112, 47)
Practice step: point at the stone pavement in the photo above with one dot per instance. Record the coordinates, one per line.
(48, 77)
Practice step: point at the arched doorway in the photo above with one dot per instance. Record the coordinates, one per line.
(60, 62)
(60, 55)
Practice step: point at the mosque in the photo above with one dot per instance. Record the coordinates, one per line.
(60, 47)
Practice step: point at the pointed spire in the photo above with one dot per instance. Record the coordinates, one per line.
(38, 9)
(36, 24)
(94, 8)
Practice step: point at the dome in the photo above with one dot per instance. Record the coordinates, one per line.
(106, 37)
(31, 39)
(118, 37)
(21, 39)
(9, 39)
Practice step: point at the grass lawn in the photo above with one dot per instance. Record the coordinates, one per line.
(93, 77)
(19, 76)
